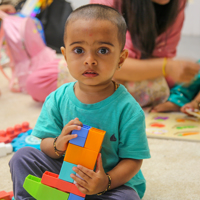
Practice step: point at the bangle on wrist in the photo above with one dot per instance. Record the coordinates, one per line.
(57, 152)
(109, 184)
(164, 67)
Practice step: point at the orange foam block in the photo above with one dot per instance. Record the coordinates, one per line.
(95, 139)
(81, 156)
(50, 179)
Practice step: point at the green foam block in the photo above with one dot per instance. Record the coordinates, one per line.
(40, 191)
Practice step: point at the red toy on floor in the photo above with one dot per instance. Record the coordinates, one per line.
(6, 195)
(11, 133)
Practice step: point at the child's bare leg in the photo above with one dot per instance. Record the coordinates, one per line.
(167, 106)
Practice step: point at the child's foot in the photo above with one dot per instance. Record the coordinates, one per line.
(165, 107)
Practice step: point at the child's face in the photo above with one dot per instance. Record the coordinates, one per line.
(92, 51)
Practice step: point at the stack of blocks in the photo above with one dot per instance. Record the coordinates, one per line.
(82, 150)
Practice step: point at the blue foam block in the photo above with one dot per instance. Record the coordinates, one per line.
(79, 141)
(66, 170)
(81, 136)
(75, 197)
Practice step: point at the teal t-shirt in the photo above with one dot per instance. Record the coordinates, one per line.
(119, 115)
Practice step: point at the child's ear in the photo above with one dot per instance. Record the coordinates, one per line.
(63, 52)
(122, 58)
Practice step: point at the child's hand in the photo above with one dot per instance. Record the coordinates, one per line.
(91, 182)
(65, 136)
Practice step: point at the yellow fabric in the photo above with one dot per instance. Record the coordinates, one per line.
(164, 67)
(46, 3)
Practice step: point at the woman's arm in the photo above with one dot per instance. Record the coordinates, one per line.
(139, 70)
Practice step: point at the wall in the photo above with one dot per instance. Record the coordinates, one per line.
(76, 3)
(192, 18)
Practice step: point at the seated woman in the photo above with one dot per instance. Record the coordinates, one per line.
(154, 30)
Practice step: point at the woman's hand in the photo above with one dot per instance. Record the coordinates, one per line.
(8, 8)
(191, 106)
(181, 71)
(91, 182)
(65, 136)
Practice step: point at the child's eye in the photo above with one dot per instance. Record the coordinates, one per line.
(103, 51)
(78, 50)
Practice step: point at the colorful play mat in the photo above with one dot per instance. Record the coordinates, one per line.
(173, 125)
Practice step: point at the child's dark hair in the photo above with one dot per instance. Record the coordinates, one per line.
(100, 12)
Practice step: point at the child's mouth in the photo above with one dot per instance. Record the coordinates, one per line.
(90, 74)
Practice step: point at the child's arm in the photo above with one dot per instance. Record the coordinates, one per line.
(124, 171)
(95, 182)
(194, 104)
(62, 140)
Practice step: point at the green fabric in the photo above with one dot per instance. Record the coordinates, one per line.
(119, 115)
(182, 94)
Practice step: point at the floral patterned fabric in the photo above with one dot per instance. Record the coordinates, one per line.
(149, 92)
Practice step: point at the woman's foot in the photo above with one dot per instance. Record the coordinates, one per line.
(166, 107)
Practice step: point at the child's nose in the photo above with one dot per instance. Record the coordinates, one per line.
(90, 60)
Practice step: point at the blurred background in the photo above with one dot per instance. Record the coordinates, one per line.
(192, 20)
(189, 45)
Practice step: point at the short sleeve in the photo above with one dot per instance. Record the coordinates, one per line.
(133, 141)
(49, 123)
